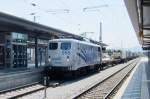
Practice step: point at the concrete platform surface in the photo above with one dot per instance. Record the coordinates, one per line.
(137, 86)
(11, 79)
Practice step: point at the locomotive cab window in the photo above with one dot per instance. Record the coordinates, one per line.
(53, 46)
(66, 46)
(99, 49)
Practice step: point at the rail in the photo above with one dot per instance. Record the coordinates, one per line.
(21, 91)
(88, 93)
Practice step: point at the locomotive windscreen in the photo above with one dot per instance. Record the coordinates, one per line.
(53, 46)
(66, 46)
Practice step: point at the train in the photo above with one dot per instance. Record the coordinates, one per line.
(75, 56)
(114, 57)
(65, 55)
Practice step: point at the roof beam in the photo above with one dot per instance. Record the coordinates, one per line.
(146, 3)
(146, 28)
(146, 48)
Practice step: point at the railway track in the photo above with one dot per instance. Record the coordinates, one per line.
(106, 88)
(21, 91)
(26, 90)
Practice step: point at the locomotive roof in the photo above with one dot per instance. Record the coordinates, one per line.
(74, 40)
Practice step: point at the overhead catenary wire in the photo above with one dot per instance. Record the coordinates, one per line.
(51, 11)
(65, 4)
(94, 7)
(58, 11)
(72, 12)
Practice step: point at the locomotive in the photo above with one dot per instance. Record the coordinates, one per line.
(65, 55)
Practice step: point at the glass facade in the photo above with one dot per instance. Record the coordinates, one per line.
(17, 50)
(19, 37)
(42, 52)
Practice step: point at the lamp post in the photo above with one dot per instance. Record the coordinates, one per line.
(33, 14)
(100, 33)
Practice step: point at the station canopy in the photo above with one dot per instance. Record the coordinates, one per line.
(139, 13)
(10, 23)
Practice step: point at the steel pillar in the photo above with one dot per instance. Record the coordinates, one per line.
(36, 51)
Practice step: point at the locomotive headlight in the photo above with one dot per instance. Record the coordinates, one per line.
(68, 59)
(49, 59)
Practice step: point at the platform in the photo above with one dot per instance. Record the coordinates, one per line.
(14, 78)
(138, 86)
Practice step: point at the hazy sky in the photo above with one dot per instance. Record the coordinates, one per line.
(117, 28)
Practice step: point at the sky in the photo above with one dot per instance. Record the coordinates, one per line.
(117, 30)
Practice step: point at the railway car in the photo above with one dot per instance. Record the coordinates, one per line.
(117, 57)
(66, 55)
